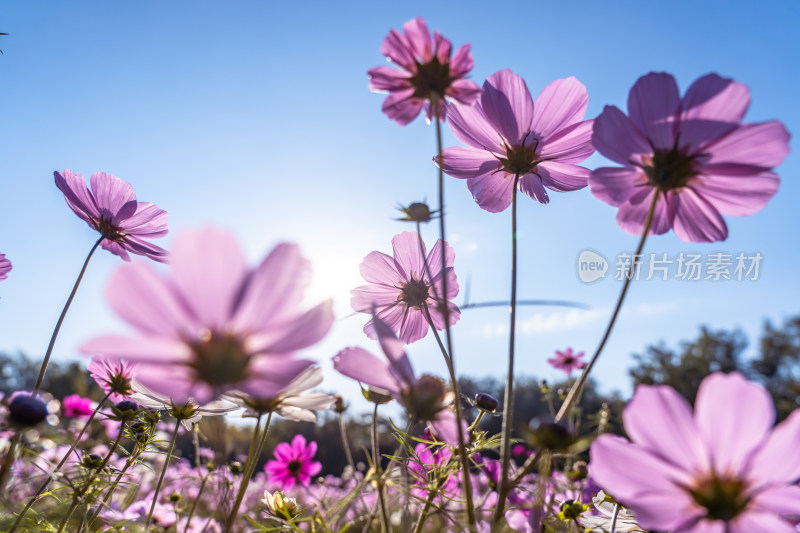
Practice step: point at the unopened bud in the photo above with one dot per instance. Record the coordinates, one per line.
(236, 468)
(579, 471)
(92, 461)
(338, 405)
(26, 410)
(372, 395)
(175, 497)
(486, 402)
(546, 434)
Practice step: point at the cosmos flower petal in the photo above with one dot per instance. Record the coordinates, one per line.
(653, 105)
(153, 350)
(395, 351)
(561, 103)
(77, 195)
(462, 62)
(445, 427)
(388, 79)
(734, 416)
(508, 105)
(471, 126)
(616, 137)
(571, 144)
(466, 162)
(5, 267)
(784, 500)
(532, 185)
(615, 185)
(413, 327)
(633, 213)
(777, 460)
(409, 253)
(274, 290)
(696, 220)
(765, 145)
(419, 38)
(397, 48)
(492, 191)
(147, 249)
(147, 221)
(209, 289)
(365, 297)
(675, 438)
(464, 91)
(617, 465)
(759, 522)
(711, 107)
(738, 195)
(401, 106)
(702, 526)
(667, 510)
(381, 269)
(111, 193)
(305, 330)
(359, 364)
(116, 248)
(563, 177)
(147, 301)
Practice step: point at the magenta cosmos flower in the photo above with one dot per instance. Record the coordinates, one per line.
(293, 463)
(694, 153)
(428, 73)
(5, 267)
(215, 324)
(400, 290)
(75, 406)
(115, 376)
(511, 135)
(567, 361)
(111, 209)
(425, 398)
(723, 470)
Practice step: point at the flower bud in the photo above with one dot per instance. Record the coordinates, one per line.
(545, 434)
(372, 395)
(579, 471)
(92, 461)
(236, 468)
(338, 405)
(417, 212)
(486, 402)
(26, 410)
(175, 497)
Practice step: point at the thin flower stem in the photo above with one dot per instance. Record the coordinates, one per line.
(61, 320)
(345, 444)
(113, 487)
(194, 503)
(426, 507)
(58, 467)
(70, 512)
(163, 472)
(245, 474)
(508, 407)
(376, 466)
(9, 459)
(577, 388)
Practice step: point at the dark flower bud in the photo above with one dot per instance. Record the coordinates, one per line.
(92, 461)
(211, 466)
(236, 468)
(141, 437)
(126, 405)
(571, 510)
(545, 434)
(125, 411)
(544, 387)
(417, 212)
(26, 410)
(427, 398)
(339, 406)
(579, 471)
(486, 402)
(374, 396)
(175, 497)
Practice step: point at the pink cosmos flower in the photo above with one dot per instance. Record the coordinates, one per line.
(401, 291)
(693, 152)
(293, 464)
(5, 267)
(511, 135)
(723, 470)
(433, 460)
(567, 361)
(113, 376)
(428, 73)
(215, 325)
(425, 398)
(75, 406)
(111, 209)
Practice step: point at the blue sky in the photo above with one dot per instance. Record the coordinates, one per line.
(255, 117)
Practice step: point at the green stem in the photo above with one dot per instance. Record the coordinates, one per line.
(163, 472)
(9, 459)
(376, 466)
(508, 403)
(61, 319)
(70, 512)
(256, 447)
(194, 503)
(577, 388)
